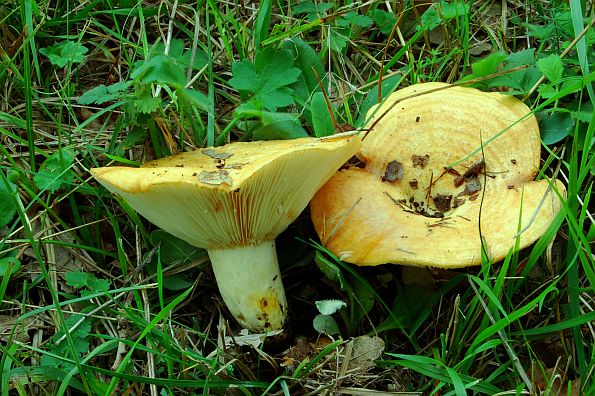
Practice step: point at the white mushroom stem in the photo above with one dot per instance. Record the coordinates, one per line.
(249, 281)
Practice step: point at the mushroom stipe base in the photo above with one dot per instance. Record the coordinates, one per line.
(250, 283)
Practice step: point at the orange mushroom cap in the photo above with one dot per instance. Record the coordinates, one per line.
(446, 168)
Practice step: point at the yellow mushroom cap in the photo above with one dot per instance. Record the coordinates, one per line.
(432, 135)
(234, 195)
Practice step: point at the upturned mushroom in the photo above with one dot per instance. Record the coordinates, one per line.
(233, 201)
(446, 169)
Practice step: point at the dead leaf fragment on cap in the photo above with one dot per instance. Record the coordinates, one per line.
(216, 177)
(215, 155)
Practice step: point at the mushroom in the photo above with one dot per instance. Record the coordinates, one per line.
(233, 201)
(468, 160)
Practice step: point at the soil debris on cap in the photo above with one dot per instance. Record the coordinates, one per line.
(473, 185)
(394, 171)
(442, 202)
(475, 169)
(459, 180)
(420, 160)
(413, 184)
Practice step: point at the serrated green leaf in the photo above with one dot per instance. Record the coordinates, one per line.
(273, 91)
(521, 80)
(77, 279)
(312, 11)
(384, 20)
(55, 171)
(455, 9)
(83, 325)
(551, 67)
(176, 49)
(7, 200)
(321, 118)
(329, 307)
(147, 104)
(268, 79)
(102, 94)
(65, 52)
(95, 284)
(547, 91)
(353, 18)
(244, 76)
(430, 19)
(164, 70)
(339, 39)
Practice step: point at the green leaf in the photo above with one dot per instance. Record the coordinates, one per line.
(9, 266)
(312, 11)
(55, 171)
(268, 79)
(364, 297)
(175, 251)
(147, 104)
(388, 86)
(339, 39)
(384, 20)
(261, 27)
(65, 52)
(321, 118)
(486, 66)
(102, 94)
(430, 19)
(196, 98)
(276, 126)
(554, 126)
(77, 279)
(308, 61)
(551, 67)
(80, 279)
(585, 114)
(540, 32)
(331, 271)
(453, 9)
(8, 206)
(521, 80)
(325, 324)
(162, 69)
(94, 284)
(134, 137)
(329, 307)
(353, 18)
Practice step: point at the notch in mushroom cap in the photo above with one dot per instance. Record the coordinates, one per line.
(440, 159)
(233, 201)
